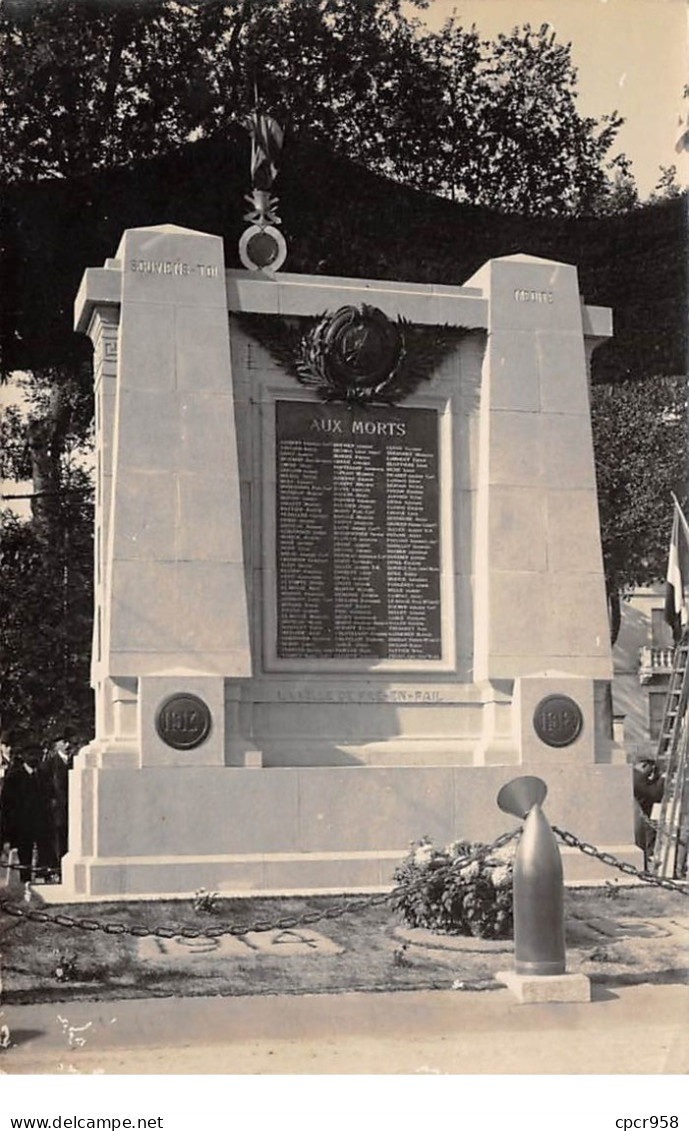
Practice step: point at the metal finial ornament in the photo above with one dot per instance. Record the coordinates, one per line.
(262, 246)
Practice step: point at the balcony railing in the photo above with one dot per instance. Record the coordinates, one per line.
(653, 662)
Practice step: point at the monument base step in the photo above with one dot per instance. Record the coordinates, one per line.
(274, 874)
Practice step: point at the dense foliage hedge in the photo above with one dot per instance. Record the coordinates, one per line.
(339, 219)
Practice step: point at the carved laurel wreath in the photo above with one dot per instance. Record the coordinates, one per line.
(356, 354)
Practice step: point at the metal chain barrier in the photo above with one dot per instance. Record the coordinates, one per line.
(336, 911)
(284, 923)
(621, 865)
(41, 870)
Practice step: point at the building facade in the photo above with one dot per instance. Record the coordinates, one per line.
(642, 663)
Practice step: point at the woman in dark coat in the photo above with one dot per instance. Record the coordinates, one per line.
(54, 778)
(24, 816)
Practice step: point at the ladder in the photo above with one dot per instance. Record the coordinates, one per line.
(669, 850)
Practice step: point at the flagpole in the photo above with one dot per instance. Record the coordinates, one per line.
(685, 524)
(262, 246)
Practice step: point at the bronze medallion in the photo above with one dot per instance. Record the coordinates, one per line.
(183, 721)
(558, 720)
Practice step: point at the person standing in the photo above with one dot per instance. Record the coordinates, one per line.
(24, 815)
(54, 779)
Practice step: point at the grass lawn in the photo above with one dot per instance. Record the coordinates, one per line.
(613, 935)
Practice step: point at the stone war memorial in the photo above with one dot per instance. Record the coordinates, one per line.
(348, 570)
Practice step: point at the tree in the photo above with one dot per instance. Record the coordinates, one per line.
(46, 616)
(46, 611)
(508, 127)
(46, 564)
(666, 187)
(640, 444)
(44, 437)
(90, 84)
(621, 194)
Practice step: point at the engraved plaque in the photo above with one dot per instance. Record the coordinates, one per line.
(358, 532)
(183, 721)
(558, 720)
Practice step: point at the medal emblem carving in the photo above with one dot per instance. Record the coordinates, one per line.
(357, 354)
(356, 351)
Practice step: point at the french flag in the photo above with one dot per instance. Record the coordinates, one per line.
(677, 574)
(266, 142)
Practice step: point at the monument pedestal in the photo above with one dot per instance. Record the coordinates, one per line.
(172, 831)
(325, 628)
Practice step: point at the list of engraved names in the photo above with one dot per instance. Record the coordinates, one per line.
(358, 555)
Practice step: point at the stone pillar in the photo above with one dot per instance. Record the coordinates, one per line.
(174, 563)
(540, 590)
(170, 592)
